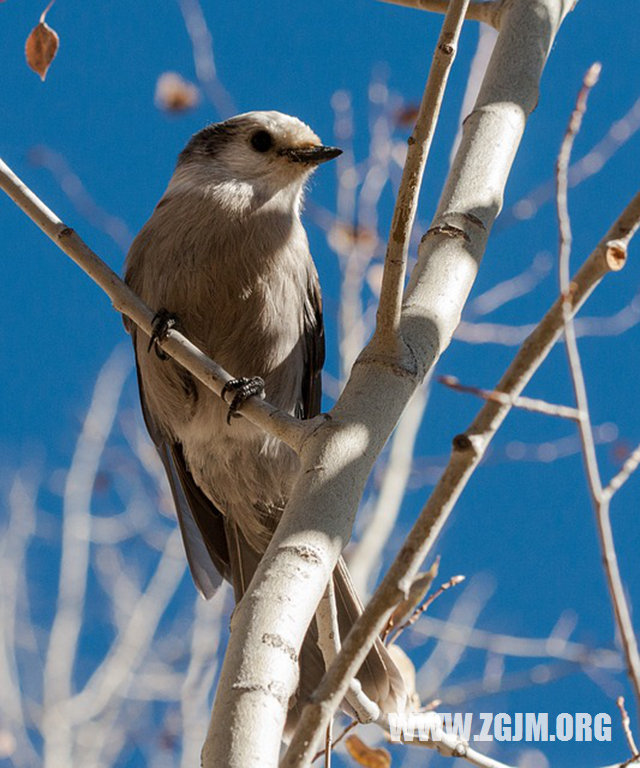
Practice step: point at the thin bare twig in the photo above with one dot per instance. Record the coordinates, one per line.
(395, 265)
(328, 745)
(512, 288)
(520, 647)
(347, 729)
(73, 187)
(445, 656)
(626, 727)
(470, 447)
(628, 468)
(630, 761)
(526, 403)
(259, 412)
(453, 581)
(203, 58)
(600, 501)
(488, 12)
(513, 335)
(418, 591)
(532, 677)
(564, 224)
(618, 134)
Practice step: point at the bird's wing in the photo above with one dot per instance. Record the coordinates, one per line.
(314, 350)
(201, 524)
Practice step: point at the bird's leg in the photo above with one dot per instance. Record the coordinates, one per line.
(242, 389)
(163, 321)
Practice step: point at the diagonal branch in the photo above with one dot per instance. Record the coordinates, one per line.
(124, 300)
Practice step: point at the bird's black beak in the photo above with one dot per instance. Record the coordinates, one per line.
(313, 155)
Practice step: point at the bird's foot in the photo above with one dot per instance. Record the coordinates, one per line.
(163, 321)
(242, 390)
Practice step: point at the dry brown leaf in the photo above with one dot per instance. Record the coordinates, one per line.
(42, 46)
(367, 756)
(174, 93)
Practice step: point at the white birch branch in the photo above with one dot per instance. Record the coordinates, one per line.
(113, 675)
(14, 544)
(206, 632)
(441, 277)
(260, 669)
(366, 560)
(457, 633)
(454, 746)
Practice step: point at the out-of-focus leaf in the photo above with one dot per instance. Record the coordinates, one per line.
(367, 756)
(41, 46)
(175, 94)
(407, 115)
(345, 237)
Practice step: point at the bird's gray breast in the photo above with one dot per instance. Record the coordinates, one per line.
(239, 290)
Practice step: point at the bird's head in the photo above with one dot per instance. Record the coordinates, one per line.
(262, 149)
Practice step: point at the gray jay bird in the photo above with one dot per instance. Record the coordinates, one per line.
(225, 257)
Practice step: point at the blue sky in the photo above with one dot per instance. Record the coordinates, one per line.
(528, 524)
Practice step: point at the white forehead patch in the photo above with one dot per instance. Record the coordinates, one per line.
(286, 129)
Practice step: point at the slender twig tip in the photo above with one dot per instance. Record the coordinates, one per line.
(593, 74)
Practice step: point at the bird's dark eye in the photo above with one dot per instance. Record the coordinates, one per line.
(262, 141)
